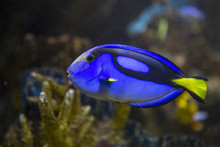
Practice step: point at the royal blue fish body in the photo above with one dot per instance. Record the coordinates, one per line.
(126, 74)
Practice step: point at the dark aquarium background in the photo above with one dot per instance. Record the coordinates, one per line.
(45, 36)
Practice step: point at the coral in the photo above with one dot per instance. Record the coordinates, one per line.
(64, 121)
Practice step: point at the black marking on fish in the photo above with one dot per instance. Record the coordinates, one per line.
(159, 72)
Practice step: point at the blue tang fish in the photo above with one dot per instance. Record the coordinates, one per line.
(130, 75)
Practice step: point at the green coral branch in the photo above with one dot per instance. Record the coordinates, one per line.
(76, 108)
(65, 109)
(20, 137)
(50, 124)
(118, 121)
(120, 116)
(46, 87)
(60, 90)
(68, 123)
(25, 131)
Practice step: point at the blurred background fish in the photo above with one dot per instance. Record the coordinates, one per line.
(188, 112)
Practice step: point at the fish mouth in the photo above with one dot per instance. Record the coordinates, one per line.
(68, 74)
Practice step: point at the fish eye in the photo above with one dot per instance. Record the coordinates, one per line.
(90, 58)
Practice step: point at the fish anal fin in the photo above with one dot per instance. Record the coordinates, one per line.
(159, 101)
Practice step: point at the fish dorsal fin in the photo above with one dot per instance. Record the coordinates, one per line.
(148, 53)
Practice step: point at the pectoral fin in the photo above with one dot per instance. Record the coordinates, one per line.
(109, 80)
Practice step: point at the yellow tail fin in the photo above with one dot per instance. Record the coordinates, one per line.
(196, 86)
